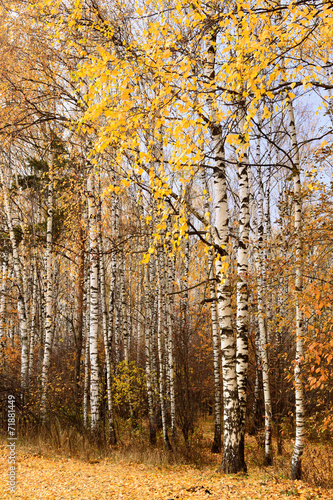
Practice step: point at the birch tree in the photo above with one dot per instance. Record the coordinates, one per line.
(260, 263)
(169, 285)
(93, 307)
(107, 344)
(296, 462)
(148, 357)
(48, 295)
(161, 311)
(233, 452)
(21, 301)
(242, 277)
(216, 446)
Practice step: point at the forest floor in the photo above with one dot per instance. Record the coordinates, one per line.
(48, 475)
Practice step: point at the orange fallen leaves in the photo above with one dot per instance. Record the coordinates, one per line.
(64, 479)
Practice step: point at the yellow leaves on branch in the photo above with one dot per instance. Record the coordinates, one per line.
(150, 85)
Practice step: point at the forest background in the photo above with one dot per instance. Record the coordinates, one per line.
(165, 223)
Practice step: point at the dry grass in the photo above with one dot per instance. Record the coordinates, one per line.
(133, 448)
(317, 462)
(318, 465)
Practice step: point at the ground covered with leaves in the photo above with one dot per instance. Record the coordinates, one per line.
(43, 476)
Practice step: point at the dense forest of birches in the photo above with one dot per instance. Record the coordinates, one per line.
(166, 220)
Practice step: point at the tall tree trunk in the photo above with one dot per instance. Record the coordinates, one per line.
(139, 311)
(149, 353)
(112, 299)
(170, 344)
(48, 300)
(216, 446)
(123, 306)
(94, 309)
(160, 312)
(107, 345)
(33, 319)
(268, 233)
(296, 462)
(242, 286)
(79, 313)
(86, 379)
(255, 418)
(265, 366)
(260, 263)
(233, 458)
(117, 284)
(86, 351)
(188, 413)
(21, 302)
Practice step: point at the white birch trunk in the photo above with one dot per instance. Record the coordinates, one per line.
(242, 286)
(148, 354)
(153, 308)
(139, 312)
(216, 446)
(160, 350)
(268, 236)
(112, 299)
(123, 306)
(86, 352)
(296, 462)
(170, 348)
(86, 380)
(233, 459)
(94, 310)
(48, 301)
(257, 384)
(261, 273)
(21, 302)
(79, 312)
(107, 345)
(33, 321)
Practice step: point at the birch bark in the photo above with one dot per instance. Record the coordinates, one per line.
(242, 286)
(112, 299)
(216, 446)
(184, 375)
(33, 320)
(296, 461)
(123, 306)
(257, 384)
(48, 299)
(107, 346)
(260, 264)
(21, 302)
(86, 380)
(79, 312)
(148, 353)
(233, 459)
(160, 351)
(94, 309)
(170, 344)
